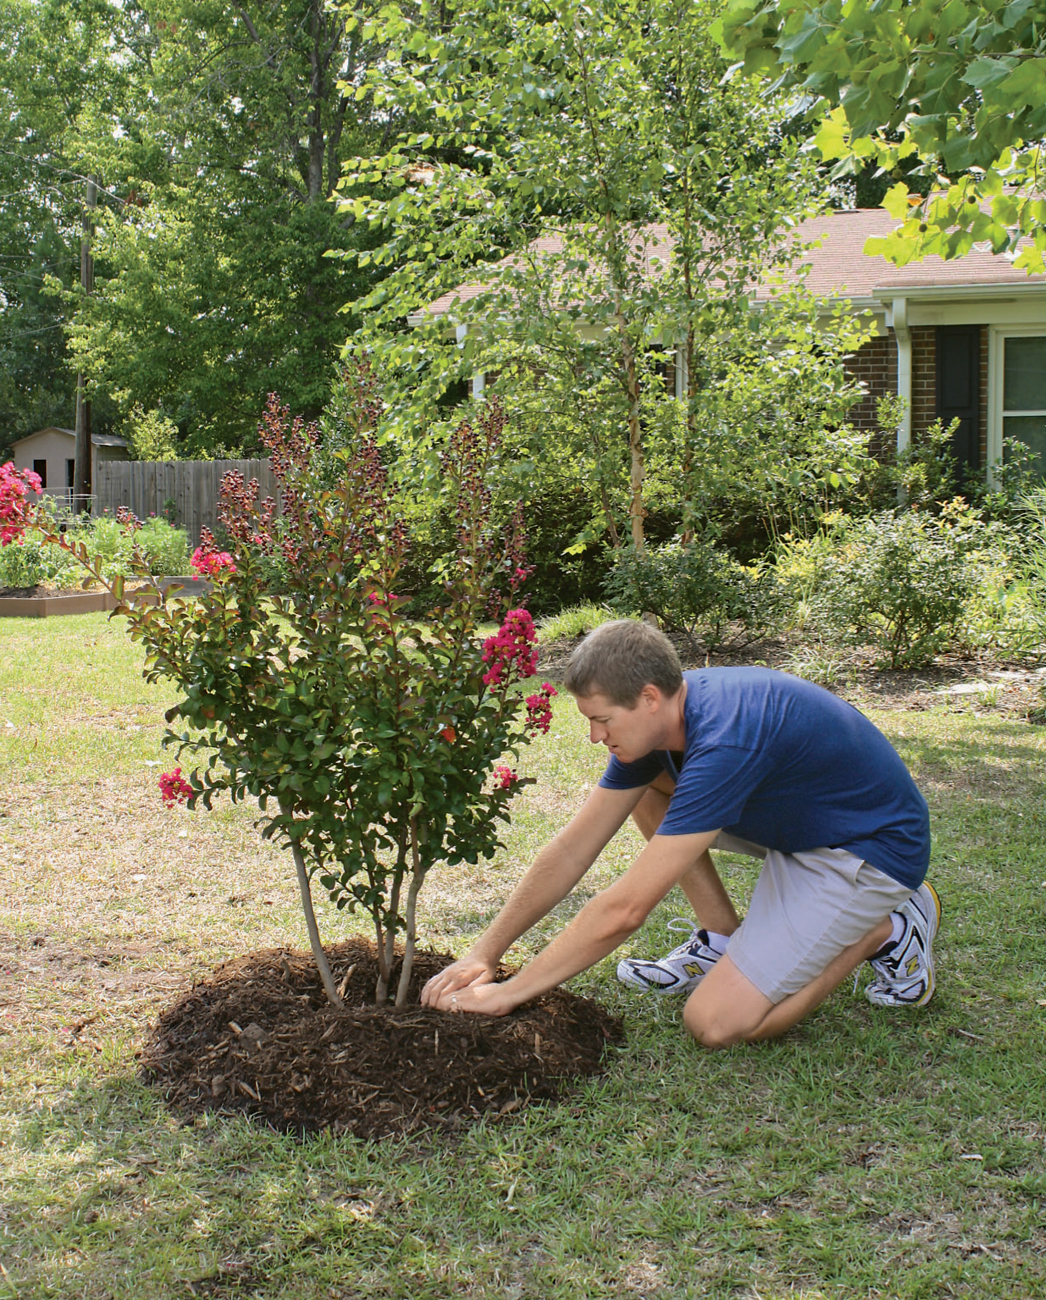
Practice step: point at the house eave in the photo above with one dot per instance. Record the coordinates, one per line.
(997, 291)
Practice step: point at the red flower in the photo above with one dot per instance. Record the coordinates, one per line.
(173, 788)
(209, 564)
(504, 777)
(510, 652)
(539, 709)
(14, 484)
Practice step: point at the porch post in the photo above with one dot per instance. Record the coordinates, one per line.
(898, 318)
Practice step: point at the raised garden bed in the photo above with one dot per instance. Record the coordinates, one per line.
(43, 602)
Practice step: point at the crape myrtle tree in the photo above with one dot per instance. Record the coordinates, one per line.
(956, 86)
(375, 735)
(610, 196)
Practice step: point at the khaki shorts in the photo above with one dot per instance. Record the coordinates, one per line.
(805, 909)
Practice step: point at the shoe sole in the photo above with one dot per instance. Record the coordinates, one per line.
(632, 980)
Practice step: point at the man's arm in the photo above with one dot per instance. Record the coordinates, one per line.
(601, 925)
(554, 873)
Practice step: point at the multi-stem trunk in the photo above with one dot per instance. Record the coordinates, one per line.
(386, 932)
(310, 923)
(416, 880)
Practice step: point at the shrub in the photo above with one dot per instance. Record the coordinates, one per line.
(900, 582)
(697, 589)
(23, 564)
(163, 548)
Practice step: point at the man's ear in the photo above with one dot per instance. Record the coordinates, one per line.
(651, 697)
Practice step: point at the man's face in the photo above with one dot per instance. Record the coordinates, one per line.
(628, 733)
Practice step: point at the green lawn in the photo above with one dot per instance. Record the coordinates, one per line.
(866, 1154)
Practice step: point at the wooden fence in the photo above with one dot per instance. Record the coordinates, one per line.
(186, 491)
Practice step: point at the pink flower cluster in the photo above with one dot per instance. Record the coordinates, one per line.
(504, 777)
(539, 709)
(510, 653)
(210, 563)
(174, 788)
(14, 484)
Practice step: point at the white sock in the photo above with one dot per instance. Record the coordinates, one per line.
(897, 933)
(717, 942)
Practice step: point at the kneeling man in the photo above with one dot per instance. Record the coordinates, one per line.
(749, 760)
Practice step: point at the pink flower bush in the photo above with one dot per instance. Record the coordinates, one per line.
(174, 788)
(504, 777)
(14, 484)
(207, 561)
(539, 709)
(510, 653)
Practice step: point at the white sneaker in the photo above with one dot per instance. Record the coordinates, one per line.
(678, 971)
(904, 976)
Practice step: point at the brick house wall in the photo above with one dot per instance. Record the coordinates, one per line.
(874, 364)
(924, 378)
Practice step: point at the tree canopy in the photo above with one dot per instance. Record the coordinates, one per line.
(957, 85)
(612, 199)
(216, 132)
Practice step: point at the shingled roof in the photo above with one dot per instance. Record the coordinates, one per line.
(838, 265)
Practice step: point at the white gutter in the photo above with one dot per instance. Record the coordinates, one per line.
(897, 316)
(1000, 292)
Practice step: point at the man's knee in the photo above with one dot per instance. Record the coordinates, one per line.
(726, 1008)
(713, 1030)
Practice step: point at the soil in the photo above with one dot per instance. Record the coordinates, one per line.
(259, 1037)
(29, 593)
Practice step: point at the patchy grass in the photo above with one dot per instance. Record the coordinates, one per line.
(866, 1154)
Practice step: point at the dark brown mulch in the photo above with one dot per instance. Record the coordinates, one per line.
(260, 1038)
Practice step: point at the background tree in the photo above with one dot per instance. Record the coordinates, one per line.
(959, 87)
(63, 98)
(631, 196)
(217, 132)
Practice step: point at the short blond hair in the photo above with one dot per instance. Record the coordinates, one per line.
(618, 659)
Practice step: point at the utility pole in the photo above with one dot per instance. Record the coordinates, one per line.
(82, 471)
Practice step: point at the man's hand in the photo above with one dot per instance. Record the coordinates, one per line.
(466, 973)
(481, 999)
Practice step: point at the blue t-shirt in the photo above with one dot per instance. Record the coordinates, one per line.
(773, 759)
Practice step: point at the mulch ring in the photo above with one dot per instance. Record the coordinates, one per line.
(259, 1037)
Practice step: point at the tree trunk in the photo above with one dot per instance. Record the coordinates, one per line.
(82, 485)
(310, 924)
(416, 881)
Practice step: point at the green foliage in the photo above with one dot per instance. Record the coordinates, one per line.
(152, 436)
(960, 86)
(162, 548)
(40, 557)
(698, 589)
(23, 564)
(924, 475)
(365, 726)
(607, 195)
(900, 581)
(572, 622)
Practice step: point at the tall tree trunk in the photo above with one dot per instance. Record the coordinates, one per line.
(637, 466)
(82, 484)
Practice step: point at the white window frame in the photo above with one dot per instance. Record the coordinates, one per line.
(997, 336)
